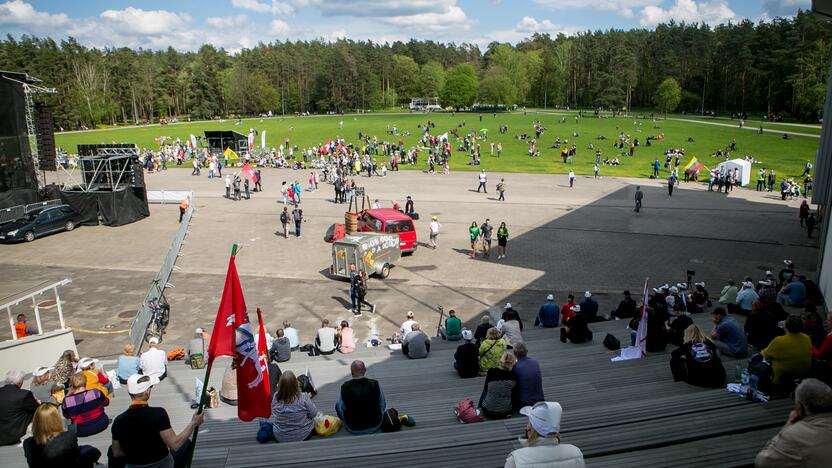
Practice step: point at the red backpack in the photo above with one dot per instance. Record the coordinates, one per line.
(466, 413)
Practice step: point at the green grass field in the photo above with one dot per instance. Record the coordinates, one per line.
(787, 157)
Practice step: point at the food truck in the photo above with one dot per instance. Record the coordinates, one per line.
(373, 253)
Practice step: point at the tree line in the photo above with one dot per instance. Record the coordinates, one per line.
(776, 68)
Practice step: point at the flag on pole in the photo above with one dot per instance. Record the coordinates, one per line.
(193, 141)
(233, 335)
(251, 140)
(263, 140)
(230, 154)
(248, 171)
(641, 333)
(693, 166)
(263, 349)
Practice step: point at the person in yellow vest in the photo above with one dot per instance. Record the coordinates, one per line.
(21, 329)
(183, 207)
(791, 354)
(95, 378)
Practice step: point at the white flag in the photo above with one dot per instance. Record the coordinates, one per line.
(263, 139)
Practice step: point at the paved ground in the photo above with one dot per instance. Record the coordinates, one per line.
(561, 240)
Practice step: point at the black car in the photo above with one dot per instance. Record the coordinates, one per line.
(40, 223)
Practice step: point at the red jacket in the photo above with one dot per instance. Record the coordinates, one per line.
(566, 312)
(825, 350)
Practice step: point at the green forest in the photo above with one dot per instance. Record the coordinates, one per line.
(775, 68)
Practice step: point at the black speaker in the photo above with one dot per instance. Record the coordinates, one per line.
(45, 137)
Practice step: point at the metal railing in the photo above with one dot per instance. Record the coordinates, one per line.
(37, 306)
(14, 213)
(138, 328)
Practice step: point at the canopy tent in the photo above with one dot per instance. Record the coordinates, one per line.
(743, 169)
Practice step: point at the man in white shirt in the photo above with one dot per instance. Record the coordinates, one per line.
(291, 333)
(434, 231)
(154, 360)
(407, 325)
(483, 179)
(325, 339)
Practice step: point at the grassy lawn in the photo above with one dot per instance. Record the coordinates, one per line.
(787, 157)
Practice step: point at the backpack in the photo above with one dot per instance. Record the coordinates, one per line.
(283, 218)
(390, 421)
(197, 361)
(466, 413)
(611, 342)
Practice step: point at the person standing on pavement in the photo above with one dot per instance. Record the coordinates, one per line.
(483, 179)
(474, 231)
(501, 189)
(228, 186)
(434, 231)
(639, 198)
(183, 207)
(502, 240)
(671, 181)
(284, 190)
(485, 232)
(246, 188)
(297, 217)
(284, 220)
(811, 222)
(236, 184)
(571, 178)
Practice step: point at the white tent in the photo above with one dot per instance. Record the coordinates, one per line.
(743, 169)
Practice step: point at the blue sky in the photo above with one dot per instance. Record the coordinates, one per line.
(237, 24)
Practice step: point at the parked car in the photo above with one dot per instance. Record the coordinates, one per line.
(40, 223)
(390, 221)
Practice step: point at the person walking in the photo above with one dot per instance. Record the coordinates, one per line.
(257, 178)
(811, 222)
(596, 171)
(183, 207)
(501, 189)
(483, 179)
(571, 178)
(284, 220)
(228, 186)
(297, 217)
(361, 294)
(246, 188)
(639, 198)
(502, 240)
(485, 232)
(236, 184)
(671, 181)
(434, 231)
(804, 212)
(284, 190)
(474, 231)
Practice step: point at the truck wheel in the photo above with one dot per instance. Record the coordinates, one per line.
(385, 271)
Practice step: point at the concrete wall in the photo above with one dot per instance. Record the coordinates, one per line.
(35, 351)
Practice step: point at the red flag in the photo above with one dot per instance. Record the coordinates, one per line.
(231, 312)
(248, 171)
(234, 336)
(264, 350)
(641, 333)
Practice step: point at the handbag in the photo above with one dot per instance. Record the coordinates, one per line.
(390, 421)
(611, 342)
(326, 426)
(213, 398)
(466, 413)
(197, 361)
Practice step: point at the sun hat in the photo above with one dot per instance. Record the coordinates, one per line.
(153, 340)
(544, 416)
(507, 306)
(86, 362)
(409, 314)
(587, 294)
(550, 297)
(40, 371)
(138, 383)
(467, 335)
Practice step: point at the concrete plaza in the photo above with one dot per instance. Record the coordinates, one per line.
(561, 240)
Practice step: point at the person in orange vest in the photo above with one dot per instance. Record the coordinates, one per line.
(183, 207)
(22, 329)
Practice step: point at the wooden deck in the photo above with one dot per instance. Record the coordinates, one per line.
(619, 414)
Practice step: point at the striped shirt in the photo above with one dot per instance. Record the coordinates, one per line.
(293, 421)
(86, 410)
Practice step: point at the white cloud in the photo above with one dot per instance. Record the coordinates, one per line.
(135, 21)
(279, 28)
(782, 8)
(22, 14)
(711, 12)
(227, 21)
(275, 7)
(624, 8)
(380, 8)
(531, 25)
(452, 18)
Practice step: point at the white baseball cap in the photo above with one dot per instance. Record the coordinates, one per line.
(674, 289)
(138, 383)
(587, 294)
(467, 335)
(507, 306)
(748, 284)
(86, 362)
(550, 297)
(544, 416)
(769, 273)
(40, 371)
(153, 340)
(409, 314)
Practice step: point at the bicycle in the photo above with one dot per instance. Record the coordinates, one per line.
(159, 315)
